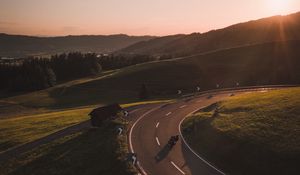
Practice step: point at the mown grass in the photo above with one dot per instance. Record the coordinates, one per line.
(256, 133)
(146, 102)
(89, 152)
(22, 129)
(16, 131)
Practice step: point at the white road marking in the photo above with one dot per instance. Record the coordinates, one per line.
(184, 141)
(132, 150)
(169, 113)
(141, 168)
(157, 124)
(182, 172)
(157, 141)
(182, 106)
(130, 137)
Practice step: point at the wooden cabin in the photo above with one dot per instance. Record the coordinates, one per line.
(109, 112)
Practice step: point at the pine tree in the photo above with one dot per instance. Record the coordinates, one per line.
(143, 92)
(51, 77)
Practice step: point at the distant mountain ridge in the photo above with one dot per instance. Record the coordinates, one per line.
(22, 46)
(276, 28)
(271, 29)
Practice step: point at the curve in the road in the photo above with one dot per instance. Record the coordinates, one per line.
(150, 133)
(140, 168)
(159, 116)
(194, 152)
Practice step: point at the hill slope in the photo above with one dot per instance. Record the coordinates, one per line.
(277, 28)
(151, 46)
(18, 45)
(269, 63)
(256, 133)
(84, 150)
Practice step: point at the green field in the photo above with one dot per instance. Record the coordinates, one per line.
(25, 128)
(248, 134)
(69, 103)
(20, 130)
(91, 151)
(256, 133)
(259, 64)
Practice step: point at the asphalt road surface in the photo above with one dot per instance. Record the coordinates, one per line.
(152, 130)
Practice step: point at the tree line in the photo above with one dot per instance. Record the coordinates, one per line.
(39, 73)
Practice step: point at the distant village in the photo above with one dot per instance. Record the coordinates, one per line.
(10, 60)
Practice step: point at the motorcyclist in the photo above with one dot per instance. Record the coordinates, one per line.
(173, 140)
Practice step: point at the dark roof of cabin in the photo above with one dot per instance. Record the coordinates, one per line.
(108, 110)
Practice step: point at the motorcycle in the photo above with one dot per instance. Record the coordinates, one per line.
(172, 142)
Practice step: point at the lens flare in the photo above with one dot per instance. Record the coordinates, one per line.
(279, 6)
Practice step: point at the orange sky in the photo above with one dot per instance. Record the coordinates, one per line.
(133, 17)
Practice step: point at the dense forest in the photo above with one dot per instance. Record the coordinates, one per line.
(39, 73)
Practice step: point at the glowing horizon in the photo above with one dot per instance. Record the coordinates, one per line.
(137, 17)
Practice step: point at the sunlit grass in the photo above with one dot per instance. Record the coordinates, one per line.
(258, 130)
(262, 117)
(16, 131)
(91, 151)
(23, 129)
(145, 102)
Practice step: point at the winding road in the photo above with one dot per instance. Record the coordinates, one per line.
(152, 126)
(151, 131)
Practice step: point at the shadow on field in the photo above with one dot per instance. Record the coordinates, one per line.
(92, 151)
(234, 156)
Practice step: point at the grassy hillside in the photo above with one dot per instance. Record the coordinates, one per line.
(152, 45)
(269, 63)
(21, 46)
(89, 152)
(16, 131)
(22, 128)
(277, 28)
(256, 133)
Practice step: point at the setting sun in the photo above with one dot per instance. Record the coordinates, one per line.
(127, 87)
(279, 6)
